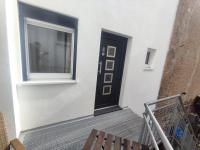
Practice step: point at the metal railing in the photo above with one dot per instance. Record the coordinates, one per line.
(166, 125)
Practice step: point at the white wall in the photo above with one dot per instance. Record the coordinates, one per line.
(14, 55)
(147, 23)
(6, 100)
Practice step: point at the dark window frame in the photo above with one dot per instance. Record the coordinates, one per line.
(28, 11)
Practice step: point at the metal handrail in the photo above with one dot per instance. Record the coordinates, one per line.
(151, 133)
(164, 99)
(159, 129)
(166, 122)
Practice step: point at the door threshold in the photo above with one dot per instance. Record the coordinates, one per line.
(105, 110)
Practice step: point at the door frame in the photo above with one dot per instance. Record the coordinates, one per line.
(125, 67)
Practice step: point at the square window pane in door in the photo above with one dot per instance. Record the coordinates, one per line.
(109, 65)
(111, 51)
(107, 90)
(108, 77)
(49, 50)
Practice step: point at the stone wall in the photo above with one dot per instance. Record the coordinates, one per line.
(182, 66)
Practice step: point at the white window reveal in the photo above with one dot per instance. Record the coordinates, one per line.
(49, 50)
(150, 56)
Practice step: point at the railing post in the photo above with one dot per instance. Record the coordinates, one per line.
(159, 129)
(151, 133)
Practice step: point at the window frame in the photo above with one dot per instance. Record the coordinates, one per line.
(50, 16)
(47, 25)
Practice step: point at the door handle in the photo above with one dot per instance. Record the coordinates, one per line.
(100, 66)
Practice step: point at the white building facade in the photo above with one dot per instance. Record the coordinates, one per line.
(146, 24)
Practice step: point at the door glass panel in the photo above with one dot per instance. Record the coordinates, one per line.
(110, 65)
(108, 77)
(111, 51)
(107, 89)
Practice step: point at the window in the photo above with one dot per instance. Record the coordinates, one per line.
(149, 58)
(108, 77)
(111, 50)
(49, 50)
(107, 89)
(109, 65)
(48, 44)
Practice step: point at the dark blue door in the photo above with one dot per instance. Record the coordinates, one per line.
(110, 69)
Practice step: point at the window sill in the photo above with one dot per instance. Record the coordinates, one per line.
(48, 82)
(148, 69)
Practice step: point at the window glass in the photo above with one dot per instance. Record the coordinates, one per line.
(111, 50)
(147, 57)
(49, 50)
(107, 89)
(108, 77)
(150, 56)
(110, 65)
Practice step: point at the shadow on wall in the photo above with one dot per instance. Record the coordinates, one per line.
(182, 66)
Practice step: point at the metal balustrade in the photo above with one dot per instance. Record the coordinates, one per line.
(166, 125)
